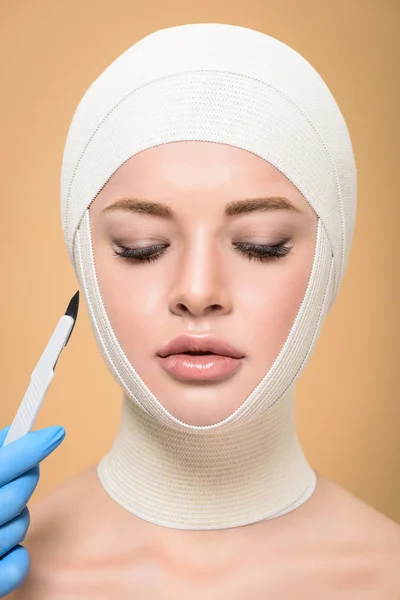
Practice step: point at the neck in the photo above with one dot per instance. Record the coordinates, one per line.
(208, 480)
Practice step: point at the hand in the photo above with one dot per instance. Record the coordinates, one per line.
(19, 476)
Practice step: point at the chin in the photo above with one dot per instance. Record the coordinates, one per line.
(202, 405)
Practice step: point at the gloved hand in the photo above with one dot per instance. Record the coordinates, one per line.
(19, 476)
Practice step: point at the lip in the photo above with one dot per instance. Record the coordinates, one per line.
(200, 368)
(209, 343)
(223, 361)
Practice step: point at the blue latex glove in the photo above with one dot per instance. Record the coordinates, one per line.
(19, 476)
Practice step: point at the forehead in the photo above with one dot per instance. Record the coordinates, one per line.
(209, 173)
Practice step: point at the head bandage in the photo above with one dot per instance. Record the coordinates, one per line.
(236, 86)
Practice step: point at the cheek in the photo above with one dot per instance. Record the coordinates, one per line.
(131, 299)
(272, 303)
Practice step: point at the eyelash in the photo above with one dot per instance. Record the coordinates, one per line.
(258, 252)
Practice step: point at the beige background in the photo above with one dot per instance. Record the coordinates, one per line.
(348, 397)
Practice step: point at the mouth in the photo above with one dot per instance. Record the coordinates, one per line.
(200, 358)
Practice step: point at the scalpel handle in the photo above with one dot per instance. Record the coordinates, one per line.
(41, 378)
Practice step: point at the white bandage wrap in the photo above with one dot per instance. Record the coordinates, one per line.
(231, 85)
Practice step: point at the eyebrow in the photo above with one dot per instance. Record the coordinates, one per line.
(234, 208)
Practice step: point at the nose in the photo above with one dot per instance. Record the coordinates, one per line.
(200, 288)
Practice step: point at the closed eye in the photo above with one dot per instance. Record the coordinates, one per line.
(259, 252)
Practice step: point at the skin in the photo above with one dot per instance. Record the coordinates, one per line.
(201, 284)
(81, 542)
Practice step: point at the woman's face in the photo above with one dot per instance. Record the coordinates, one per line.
(211, 270)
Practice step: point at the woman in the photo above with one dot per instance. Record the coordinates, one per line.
(208, 200)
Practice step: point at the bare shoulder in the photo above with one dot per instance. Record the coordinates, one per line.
(349, 518)
(333, 546)
(362, 544)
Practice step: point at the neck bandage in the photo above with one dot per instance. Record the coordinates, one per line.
(236, 86)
